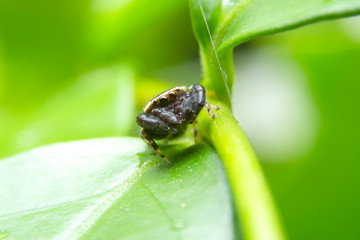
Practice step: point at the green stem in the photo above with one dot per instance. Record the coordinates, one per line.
(253, 201)
(218, 77)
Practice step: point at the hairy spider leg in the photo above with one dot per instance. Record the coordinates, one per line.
(208, 107)
(155, 147)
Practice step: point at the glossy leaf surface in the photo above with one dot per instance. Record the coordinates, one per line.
(114, 189)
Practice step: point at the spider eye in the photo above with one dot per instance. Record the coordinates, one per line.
(172, 96)
(187, 110)
(163, 100)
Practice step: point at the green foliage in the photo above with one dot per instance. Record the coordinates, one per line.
(242, 21)
(118, 30)
(222, 25)
(114, 189)
(93, 103)
(233, 22)
(47, 49)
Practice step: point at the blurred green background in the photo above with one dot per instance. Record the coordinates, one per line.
(78, 70)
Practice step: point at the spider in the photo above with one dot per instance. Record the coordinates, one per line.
(169, 114)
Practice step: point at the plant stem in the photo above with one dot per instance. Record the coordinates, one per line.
(218, 74)
(253, 202)
(254, 205)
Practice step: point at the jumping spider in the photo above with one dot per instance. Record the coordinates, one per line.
(169, 114)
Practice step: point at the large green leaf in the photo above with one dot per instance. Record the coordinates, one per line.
(232, 22)
(245, 21)
(114, 189)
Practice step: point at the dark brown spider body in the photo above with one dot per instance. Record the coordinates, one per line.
(169, 114)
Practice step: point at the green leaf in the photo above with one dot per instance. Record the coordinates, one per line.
(114, 188)
(221, 25)
(232, 22)
(244, 20)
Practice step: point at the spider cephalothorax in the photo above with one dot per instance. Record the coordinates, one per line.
(168, 114)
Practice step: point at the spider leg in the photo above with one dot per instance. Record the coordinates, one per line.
(148, 143)
(209, 108)
(154, 146)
